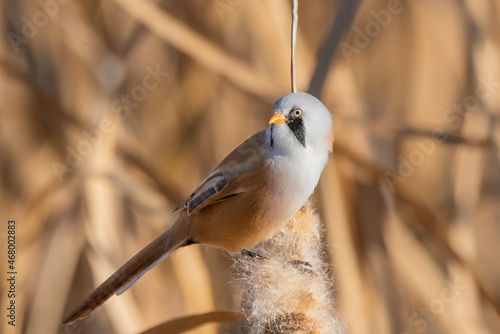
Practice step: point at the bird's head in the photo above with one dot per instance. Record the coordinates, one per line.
(301, 121)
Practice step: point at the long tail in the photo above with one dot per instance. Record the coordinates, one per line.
(131, 271)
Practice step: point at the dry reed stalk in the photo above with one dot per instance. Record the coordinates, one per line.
(283, 295)
(180, 36)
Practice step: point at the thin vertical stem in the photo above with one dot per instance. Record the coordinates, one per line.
(295, 17)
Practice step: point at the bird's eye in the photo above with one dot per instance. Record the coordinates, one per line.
(297, 112)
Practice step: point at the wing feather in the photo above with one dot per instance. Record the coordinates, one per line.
(222, 183)
(207, 190)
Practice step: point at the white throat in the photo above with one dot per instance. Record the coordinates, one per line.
(297, 170)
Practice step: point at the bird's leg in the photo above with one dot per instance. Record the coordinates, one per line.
(253, 254)
(297, 262)
(304, 264)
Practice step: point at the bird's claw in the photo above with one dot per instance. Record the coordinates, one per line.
(303, 266)
(253, 254)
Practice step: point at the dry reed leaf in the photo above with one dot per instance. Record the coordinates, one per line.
(468, 175)
(104, 231)
(181, 325)
(194, 280)
(411, 259)
(54, 284)
(343, 19)
(468, 306)
(434, 289)
(343, 251)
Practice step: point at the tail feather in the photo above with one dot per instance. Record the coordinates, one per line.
(131, 271)
(135, 279)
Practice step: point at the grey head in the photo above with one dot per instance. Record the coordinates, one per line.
(301, 121)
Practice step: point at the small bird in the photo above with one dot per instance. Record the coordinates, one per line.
(249, 196)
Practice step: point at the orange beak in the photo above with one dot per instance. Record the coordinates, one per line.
(278, 118)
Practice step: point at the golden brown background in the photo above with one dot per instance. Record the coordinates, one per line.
(96, 152)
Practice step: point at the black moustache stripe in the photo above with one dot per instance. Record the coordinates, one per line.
(272, 140)
(296, 124)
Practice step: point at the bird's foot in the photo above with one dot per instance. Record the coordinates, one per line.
(303, 265)
(253, 254)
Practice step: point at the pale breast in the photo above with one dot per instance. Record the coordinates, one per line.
(295, 178)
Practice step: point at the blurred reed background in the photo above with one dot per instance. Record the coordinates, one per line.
(113, 111)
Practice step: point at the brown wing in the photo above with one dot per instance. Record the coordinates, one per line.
(215, 188)
(213, 184)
